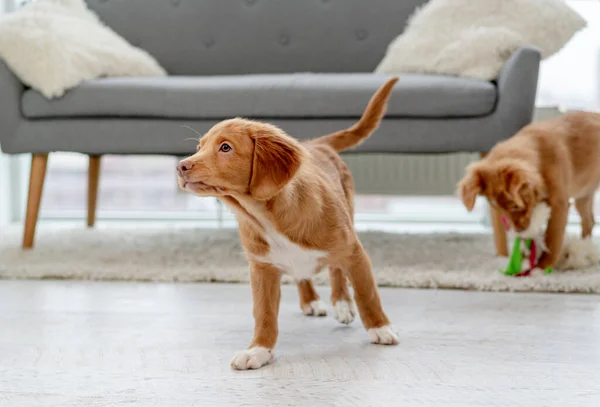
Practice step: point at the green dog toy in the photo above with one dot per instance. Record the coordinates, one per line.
(516, 259)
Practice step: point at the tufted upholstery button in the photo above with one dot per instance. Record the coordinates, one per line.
(250, 2)
(208, 42)
(284, 39)
(361, 34)
(175, 3)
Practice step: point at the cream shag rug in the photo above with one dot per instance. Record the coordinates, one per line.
(183, 254)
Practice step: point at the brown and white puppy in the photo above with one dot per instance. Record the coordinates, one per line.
(547, 162)
(294, 203)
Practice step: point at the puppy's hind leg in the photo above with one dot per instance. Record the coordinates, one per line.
(343, 305)
(585, 208)
(366, 295)
(310, 303)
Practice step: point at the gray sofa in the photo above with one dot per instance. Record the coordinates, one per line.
(303, 65)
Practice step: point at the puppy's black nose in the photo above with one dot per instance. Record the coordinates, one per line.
(184, 166)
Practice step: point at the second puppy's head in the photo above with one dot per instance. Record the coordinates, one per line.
(513, 187)
(240, 156)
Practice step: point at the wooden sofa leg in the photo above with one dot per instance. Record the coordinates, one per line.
(93, 180)
(37, 176)
(499, 230)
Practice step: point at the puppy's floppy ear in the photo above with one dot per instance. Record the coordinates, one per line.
(276, 159)
(471, 186)
(522, 184)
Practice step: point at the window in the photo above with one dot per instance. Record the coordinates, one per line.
(5, 196)
(130, 186)
(145, 187)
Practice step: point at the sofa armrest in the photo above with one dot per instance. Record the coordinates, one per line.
(11, 90)
(517, 86)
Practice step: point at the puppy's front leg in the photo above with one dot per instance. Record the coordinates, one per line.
(265, 280)
(555, 233)
(343, 306)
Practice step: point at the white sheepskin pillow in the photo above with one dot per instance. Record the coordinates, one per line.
(474, 38)
(54, 45)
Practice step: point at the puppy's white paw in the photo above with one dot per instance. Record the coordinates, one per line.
(252, 358)
(315, 308)
(343, 312)
(384, 335)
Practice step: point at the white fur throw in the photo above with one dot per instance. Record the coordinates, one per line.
(474, 38)
(54, 45)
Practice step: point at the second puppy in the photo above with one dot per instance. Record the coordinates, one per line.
(542, 166)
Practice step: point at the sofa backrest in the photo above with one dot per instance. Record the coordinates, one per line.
(206, 37)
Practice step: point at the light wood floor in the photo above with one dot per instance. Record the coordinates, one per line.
(127, 344)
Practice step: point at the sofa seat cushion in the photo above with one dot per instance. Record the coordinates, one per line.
(264, 96)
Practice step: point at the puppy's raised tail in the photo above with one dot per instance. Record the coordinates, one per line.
(368, 123)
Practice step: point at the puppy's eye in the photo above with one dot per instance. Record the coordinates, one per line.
(225, 148)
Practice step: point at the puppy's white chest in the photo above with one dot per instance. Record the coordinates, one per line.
(292, 259)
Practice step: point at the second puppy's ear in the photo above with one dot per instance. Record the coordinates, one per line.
(470, 186)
